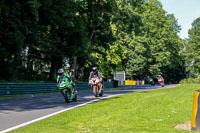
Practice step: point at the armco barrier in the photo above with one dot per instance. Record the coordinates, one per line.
(195, 122)
(10, 89)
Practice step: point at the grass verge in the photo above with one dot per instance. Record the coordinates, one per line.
(144, 112)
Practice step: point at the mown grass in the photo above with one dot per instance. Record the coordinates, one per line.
(156, 111)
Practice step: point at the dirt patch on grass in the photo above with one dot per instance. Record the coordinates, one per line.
(184, 126)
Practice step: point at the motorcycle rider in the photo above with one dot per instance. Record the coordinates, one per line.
(160, 79)
(95, 74)
(150, 80)
(62, 74)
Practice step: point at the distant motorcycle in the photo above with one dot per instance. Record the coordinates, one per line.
(150, 80)
(95, 83)
(161, 81)
(66, 91)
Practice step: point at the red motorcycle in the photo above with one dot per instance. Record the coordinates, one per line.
(161, 81)
(96, 86)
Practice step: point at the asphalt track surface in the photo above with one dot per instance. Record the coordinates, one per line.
(15, 113)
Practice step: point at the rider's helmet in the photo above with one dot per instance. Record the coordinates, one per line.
(94, 69)
(159, 76)
(60, 71)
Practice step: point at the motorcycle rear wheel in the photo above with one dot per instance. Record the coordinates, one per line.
(74, 91)
(75, 97)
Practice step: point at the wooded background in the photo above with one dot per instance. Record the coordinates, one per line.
(37, 37)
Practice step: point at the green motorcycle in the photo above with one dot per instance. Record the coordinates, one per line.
(64, 86)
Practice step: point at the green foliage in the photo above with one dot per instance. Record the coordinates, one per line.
(190, 81)
(155, 49)
(193, 52)
(137, 36)
(196, 22)
(12, 38)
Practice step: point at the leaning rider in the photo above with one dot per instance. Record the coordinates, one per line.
(95, 74)
(62, 74)
(160, 78)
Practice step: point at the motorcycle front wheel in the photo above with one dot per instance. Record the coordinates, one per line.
(95, 90)
(66, 95)
(101, 93)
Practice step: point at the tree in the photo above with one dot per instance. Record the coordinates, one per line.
(133, 35)
(125, 22)
(11, 38)
(63, 30)
(192, 53)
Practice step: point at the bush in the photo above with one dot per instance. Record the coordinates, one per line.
(190, 81)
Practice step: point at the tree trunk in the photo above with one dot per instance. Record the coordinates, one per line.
(29, 72)
(56, 63)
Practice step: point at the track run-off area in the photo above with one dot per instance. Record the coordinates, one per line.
(19, 112)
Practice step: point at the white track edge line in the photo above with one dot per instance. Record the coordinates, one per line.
(55, 113)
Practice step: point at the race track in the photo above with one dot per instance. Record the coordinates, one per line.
(15, 113)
